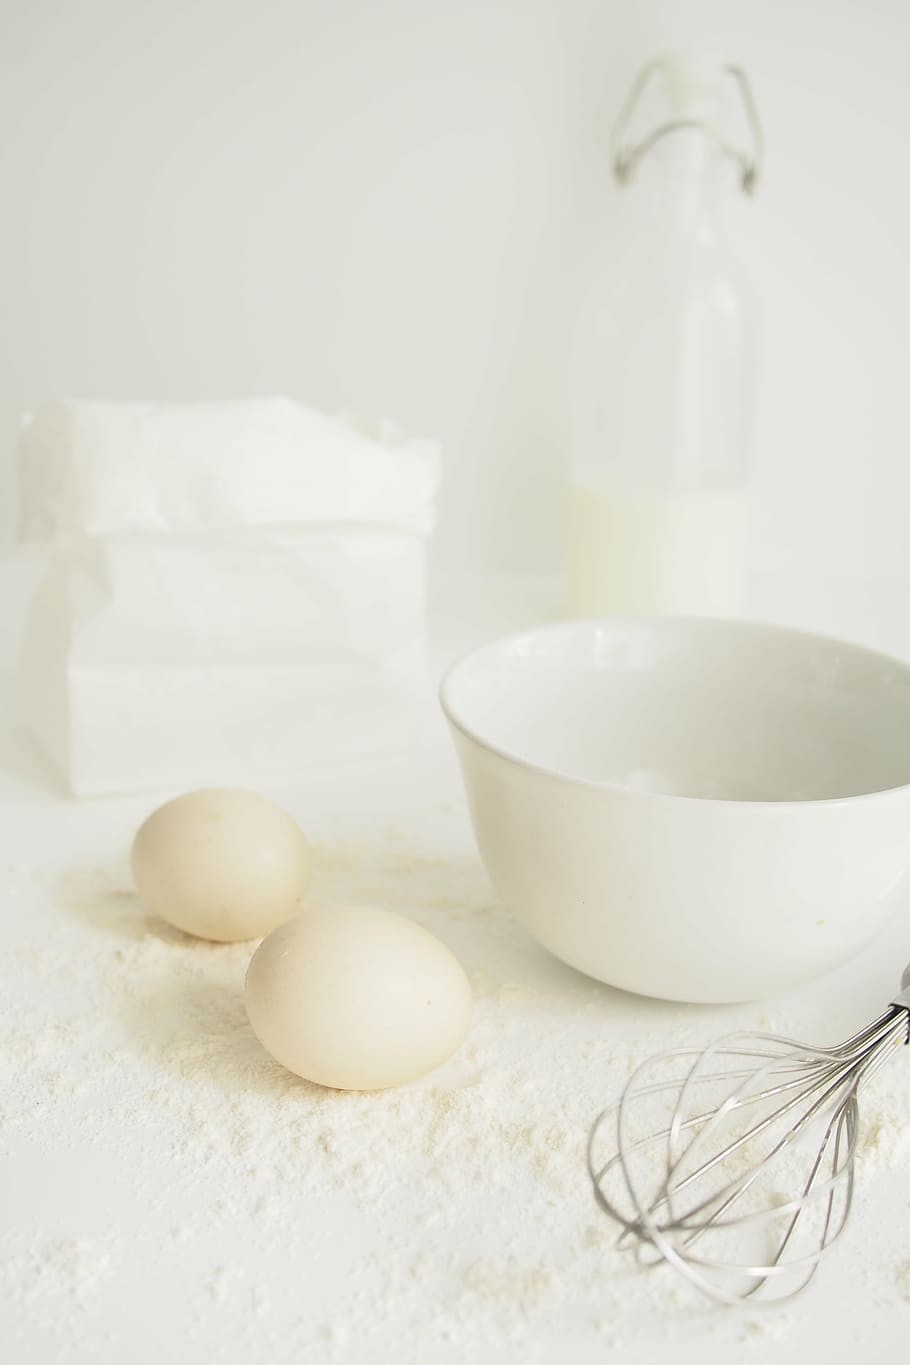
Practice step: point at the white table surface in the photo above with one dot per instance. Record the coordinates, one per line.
(156, 1207)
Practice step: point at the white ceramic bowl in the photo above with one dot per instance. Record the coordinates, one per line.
(694, 809)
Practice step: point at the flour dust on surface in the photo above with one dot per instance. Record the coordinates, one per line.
(277, 1216)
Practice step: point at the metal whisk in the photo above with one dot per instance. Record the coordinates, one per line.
(735, 1164)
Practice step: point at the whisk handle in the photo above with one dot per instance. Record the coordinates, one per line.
(904, 998)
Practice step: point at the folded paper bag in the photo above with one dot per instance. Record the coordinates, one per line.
(138, 727)
(95, 469)
(260, 596)
(231, 588)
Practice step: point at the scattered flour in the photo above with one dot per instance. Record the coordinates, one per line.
(68, 1269)
(902, 1277)
(148, 1039)
(884, 1142)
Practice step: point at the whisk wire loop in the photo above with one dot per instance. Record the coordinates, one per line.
(729, 1188)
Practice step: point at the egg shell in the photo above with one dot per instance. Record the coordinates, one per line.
(221, 863)
(357, 998)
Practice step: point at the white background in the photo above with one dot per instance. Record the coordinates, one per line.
(379, 206)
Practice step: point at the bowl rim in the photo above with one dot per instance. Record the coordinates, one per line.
(703, 622)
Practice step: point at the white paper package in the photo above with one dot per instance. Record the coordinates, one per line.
(212, 652)
(317, 595)
(132, 727)
(94, 469)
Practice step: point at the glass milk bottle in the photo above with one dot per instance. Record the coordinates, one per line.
(664, 362)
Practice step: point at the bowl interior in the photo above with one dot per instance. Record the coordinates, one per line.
(710, 709)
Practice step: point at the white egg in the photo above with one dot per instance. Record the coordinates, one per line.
(222, 864)
(357, 998)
